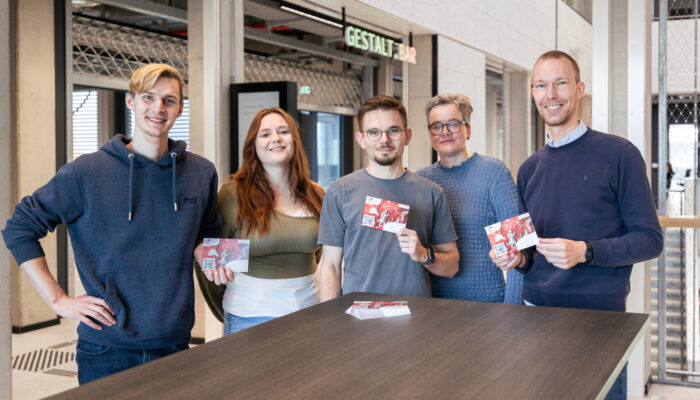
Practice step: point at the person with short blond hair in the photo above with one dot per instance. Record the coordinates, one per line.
(480, 192)
(134, 210)
(144, 78)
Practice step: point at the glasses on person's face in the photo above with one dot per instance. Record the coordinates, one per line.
(393, 133)
(452, 127)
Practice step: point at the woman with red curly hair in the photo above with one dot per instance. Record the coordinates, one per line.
(272, 201)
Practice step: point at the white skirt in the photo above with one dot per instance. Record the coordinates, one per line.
(247, 296)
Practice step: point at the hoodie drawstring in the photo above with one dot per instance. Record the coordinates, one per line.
(131, 184)
(172, 157)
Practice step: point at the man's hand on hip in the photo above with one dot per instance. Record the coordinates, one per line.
(85, 306)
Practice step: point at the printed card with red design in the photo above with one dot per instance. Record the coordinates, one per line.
(378, 309)
(512, 234)
(384, 215)
(230, 253)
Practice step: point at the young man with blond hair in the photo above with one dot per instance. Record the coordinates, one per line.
(135, 210)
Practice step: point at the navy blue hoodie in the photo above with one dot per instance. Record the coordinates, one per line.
(133, 225)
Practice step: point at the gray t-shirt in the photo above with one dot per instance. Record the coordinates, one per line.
(373, 259)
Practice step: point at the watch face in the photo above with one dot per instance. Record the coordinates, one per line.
(589, 255)
(431, 256)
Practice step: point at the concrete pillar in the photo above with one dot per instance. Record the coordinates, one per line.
(638, 116)
(601, 66)
(6, 173)
(619, 51)
(105, 116)
(215, 57)
(461, 69)
(622, 106)
(692, 253)
(385, 77)
(420, 84)
(34, 164)
(491, 116)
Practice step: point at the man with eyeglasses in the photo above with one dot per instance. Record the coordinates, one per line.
(589, 198)
(480, 192)
(375, 260)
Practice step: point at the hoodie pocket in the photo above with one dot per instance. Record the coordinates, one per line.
(152, 302)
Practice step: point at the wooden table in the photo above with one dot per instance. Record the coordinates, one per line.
(445, 350)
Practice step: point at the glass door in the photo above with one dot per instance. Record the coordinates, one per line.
(327, 140)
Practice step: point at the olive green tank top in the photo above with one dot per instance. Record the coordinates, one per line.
(289, 249)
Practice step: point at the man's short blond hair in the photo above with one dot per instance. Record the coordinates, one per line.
(558, 54)
(144, 78)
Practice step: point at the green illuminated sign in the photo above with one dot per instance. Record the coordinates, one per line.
(377, 44)
(304, 89)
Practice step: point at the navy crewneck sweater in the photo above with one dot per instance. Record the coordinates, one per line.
(594, 189)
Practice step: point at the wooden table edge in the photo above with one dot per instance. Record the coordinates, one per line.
(625, 357)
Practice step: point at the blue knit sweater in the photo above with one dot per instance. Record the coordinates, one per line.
(480, 192)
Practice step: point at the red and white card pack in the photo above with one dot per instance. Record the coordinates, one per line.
(512, 234)
(378, 309)
(230, 253)
(384, 215)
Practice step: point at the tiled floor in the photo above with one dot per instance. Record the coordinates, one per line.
(44, 361)
(44, 365)
(669, 392)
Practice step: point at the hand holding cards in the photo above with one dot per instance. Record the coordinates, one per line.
(378, 309)
(230, 253)
(512, 234)
(384, 215)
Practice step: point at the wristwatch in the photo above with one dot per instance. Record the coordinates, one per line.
(589, 252)
(431, 256)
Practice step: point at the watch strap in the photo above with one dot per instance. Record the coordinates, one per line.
(589, 252)
(431, 256)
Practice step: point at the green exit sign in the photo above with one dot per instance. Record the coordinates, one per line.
(305, 90)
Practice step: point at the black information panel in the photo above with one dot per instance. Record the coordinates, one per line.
(249, 98)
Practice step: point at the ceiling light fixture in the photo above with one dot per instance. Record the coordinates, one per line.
(310, 16)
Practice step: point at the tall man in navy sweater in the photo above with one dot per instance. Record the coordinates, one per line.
(135, 210)
(589, 199)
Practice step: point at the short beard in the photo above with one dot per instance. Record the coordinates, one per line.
(386, 161)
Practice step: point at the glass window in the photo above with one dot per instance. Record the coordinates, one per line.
(328, 148)
(84, 122)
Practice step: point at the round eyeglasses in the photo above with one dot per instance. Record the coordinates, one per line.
(375, 134)
(452, 127)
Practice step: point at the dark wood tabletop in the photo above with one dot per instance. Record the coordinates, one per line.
(446, 349)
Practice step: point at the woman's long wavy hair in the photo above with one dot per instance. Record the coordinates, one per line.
(255, 196)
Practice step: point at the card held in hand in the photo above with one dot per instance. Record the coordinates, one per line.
(384, 215)
(230, 253)
(512, 234)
